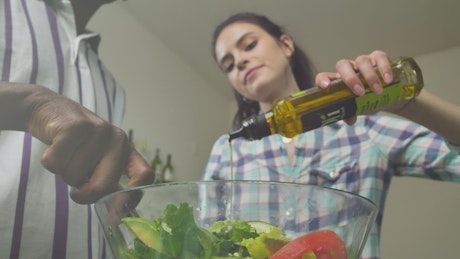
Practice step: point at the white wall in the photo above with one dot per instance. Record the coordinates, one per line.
(168, 105)
(172, 108)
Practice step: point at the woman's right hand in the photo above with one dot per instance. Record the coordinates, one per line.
(364, 65)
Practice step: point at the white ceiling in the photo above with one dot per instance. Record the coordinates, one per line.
(327, 29)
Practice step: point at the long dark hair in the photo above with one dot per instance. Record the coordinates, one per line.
(301, 66)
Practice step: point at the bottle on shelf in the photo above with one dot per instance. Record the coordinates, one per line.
(124, 179)
(168, 171)
(156, 165)
(316, 107)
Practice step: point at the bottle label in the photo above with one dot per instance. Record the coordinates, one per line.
(329, 114)
(168, 176)
(370, 102)
(351, 107)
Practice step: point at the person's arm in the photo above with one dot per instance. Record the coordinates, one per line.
(435, 113)
(427, 109)
(88, 152)
(13, 108)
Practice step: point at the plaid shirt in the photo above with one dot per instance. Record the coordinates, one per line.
(359, 159)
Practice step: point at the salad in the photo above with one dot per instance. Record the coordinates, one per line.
(176, 235)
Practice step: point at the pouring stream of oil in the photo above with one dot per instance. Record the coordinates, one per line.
(232, 189)
(230, 146)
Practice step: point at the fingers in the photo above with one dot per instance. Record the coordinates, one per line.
(384, 66)
(373, 70)
(324, 79)
(347, 70)
(366, 69)
(123, 204)
(139, 171)
(73, 155)
(106, 174)
(57, 156)
(122, 159)
(93, 160)
(88, 152)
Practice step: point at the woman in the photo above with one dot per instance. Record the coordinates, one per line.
(263, 63)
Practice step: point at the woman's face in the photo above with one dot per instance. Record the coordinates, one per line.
(256, 64)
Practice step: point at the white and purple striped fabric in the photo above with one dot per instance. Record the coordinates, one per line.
(39, 45)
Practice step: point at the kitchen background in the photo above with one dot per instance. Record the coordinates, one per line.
(178, 102)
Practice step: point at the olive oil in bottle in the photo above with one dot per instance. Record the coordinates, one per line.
(313, 108)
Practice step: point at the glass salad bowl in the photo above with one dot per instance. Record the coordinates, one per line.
(235, 219)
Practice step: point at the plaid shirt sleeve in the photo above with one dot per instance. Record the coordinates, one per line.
(414, 150)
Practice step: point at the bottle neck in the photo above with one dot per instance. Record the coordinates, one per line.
(256, 127)
(239, 133)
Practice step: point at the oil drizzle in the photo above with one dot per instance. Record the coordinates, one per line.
(231, 196)
(230, 146)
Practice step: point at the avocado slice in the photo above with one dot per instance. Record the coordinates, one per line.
(270, 236)
(144, 230)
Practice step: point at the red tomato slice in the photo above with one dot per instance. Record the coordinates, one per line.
(324, 244)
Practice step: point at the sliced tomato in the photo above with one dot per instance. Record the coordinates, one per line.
(323, 244)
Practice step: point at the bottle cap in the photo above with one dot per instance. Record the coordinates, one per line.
(255, 127)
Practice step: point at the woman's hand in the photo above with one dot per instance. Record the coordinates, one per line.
(364, 65)
(427, 109)
(89, 153)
